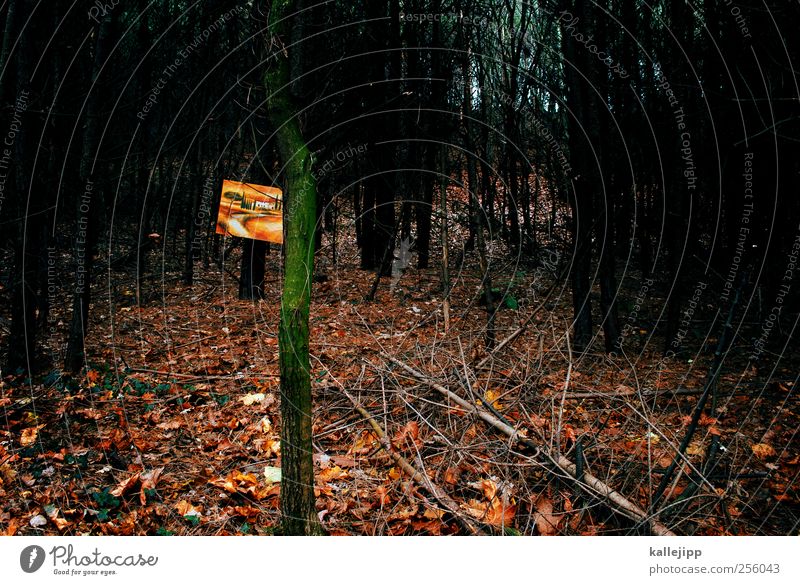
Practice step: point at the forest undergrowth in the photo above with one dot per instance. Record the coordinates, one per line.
(174, 429)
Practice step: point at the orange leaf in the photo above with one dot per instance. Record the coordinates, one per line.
(501, 513)
(13, 525)
(451, 475)
(409, 434)
(332, 473)
(381, 493)
(489, 488)
(763, 451)
(29, 436)
(184, 508)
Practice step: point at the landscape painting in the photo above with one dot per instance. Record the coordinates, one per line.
(251, 211)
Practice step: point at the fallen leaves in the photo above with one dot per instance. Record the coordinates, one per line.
(187, 510)
(547, 522)
(149, 481)
(499, 509)
(254, 398)
(763, 451)
(246, 484)
(29, 435)
(125, 485)
(492, 396)
(407, 438)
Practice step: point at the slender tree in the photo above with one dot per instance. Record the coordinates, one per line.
(297, 493)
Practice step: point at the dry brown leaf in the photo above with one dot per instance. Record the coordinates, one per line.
(695, 448)
(125, 485)
(433, 514)
(501, 513)
(404, 513)
(380, 491)
(763, 451)
(225, 483)
(343, 461)
(29, 435)
(149, 481)
(451, 475)
(184, 508)
(364, 443)
(547, 522)
(406, 436)
(489, 488)
(476, 509)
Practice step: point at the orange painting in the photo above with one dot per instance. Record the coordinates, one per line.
(251, 211)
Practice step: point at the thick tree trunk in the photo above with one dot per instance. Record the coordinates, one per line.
(297, 488)
(580, 198)
(251, 283)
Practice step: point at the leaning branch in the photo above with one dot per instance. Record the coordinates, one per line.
(588, 482)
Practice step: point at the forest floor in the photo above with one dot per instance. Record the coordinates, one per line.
(175, 428)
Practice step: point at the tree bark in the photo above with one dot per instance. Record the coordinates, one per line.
(88, 204)
(251, 283)
(297, 489)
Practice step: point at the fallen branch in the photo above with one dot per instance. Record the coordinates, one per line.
(589, 483)
(441, 496)
(632, 392)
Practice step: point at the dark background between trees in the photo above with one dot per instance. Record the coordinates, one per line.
(475, 103)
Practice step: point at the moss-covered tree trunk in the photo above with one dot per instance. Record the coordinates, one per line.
(299, 216)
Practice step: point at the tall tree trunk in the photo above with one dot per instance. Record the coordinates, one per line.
(445, 243)
(297, 488)
(88, 204)
(580, 198)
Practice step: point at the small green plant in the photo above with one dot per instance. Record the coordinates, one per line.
(192, 519)
(220, 399)
(106, 501)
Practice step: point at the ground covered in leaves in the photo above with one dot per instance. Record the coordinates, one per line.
(175, 427)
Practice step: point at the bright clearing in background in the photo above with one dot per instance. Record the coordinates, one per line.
(251, 211)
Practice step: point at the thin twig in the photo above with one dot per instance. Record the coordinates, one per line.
(590, 484)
